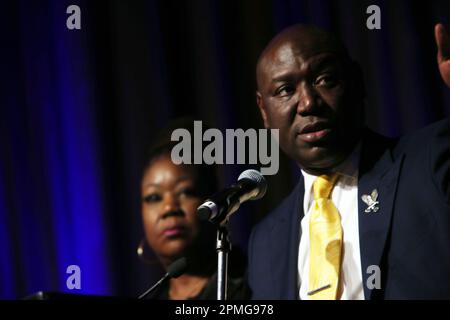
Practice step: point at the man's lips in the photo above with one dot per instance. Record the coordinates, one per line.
(314, 132)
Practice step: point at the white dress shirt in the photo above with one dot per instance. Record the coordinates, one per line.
(345, 198)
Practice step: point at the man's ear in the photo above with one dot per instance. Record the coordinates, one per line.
(260, 103)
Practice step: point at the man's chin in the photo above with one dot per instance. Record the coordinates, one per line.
(319, 160)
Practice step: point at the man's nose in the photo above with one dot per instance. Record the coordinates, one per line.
(171, 206)
(307, 100)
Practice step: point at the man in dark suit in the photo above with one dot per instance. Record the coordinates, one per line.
(370, 216)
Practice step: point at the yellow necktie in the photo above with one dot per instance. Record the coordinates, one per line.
(325, 235)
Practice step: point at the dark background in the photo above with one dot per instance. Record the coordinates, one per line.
(80, 107)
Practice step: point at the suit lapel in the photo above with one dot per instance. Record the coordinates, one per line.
(378, 172)
(284, 241)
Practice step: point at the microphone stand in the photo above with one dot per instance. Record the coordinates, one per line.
(223, 247)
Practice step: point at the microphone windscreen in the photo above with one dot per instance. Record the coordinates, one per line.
(256, 177)
(177, 268)
(203, 213)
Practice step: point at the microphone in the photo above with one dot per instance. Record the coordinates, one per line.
(251, 185)
(175, 269)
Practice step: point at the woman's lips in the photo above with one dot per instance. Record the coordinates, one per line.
(315, 136)
(173, 232)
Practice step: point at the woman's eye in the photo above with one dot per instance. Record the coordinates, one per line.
(152, 198)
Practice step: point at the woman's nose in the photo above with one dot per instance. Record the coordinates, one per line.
(171, 206)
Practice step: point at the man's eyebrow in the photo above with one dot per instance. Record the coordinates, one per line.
(325, 60)
(286, 76)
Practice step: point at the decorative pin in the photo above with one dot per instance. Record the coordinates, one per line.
(371, 201)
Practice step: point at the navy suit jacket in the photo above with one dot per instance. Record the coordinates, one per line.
(408, 237)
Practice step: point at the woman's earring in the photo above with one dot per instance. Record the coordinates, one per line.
(142, 252)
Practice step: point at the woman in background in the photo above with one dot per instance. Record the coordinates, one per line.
(170, 197)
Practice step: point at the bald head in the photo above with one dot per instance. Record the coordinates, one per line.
(305, 40)
(310, 89)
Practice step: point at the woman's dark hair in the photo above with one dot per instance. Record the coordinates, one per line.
(162, 146)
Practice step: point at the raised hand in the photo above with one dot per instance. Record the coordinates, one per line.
(443, 56)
